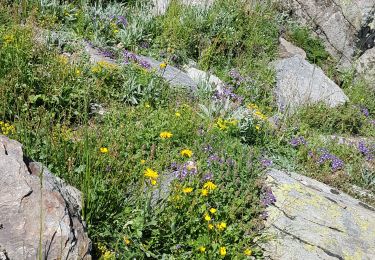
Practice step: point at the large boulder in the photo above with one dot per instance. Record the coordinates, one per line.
(299, 83)
(365, 67)
(344, 25)
(311, 220)
(40, 214)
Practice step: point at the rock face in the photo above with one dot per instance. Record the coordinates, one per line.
(287, 49)
(365, 67)
(310, 220)
(161, 6)
(344, 25)
(300, 83)
(39, 212)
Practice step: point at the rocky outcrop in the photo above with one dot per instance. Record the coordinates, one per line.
(311, 220)
(40, 214)
(365, 67)
(287, 49)
(345, 26)
(299, 83)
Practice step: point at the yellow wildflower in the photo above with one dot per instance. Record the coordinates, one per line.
(223, 251)
(207, 217)
(209, 185)
(187, 190)
(186, 153)
(104, 150)
(221, 123)
(202, 249)
(222, 226)
(204, 192)
(248, 252)
(108, 255)
(166, 135)
(78, 72)
(153, 182)
(63, 59)
(257, 127)
(213, 210)
(177, 114)
(143, 161)
(210, 226)
(252, 106)
(6, 128)
(8, 38)
(163, 65)
(126, 241)
(151, 174)
(147, 105)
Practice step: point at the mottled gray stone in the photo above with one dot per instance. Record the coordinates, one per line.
(311, 220)
(365, 67)
(202, 77)
(338, 22)
(300, 83)
(40, 214)
(287, 49)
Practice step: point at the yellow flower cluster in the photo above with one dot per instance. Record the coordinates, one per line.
(103, 65)
(106, 254)
(114, 27)
(223, 124)
(63, 59)
(152, 175)
(163, 65)
(257, 113)
(6, 128)
(104, 150)
(166, 135)
(8, 38)
(186, 153)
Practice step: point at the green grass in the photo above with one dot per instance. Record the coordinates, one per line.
(46, 106)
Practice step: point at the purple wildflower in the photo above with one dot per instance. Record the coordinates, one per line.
(266, 162)
(107, 53)
(268, 198)
(364, 150)
(336, 163)
(121, 20)
(365, 111)
(208, 176)
(184, 170)
(145, 64)
(297, 141)
(207, 148)
(236, 76)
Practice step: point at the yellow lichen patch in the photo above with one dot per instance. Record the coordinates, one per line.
(353, 255)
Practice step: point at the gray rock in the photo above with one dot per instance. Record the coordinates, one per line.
(287, 49)
(161, 6)
(365, 67)
(40, 214)
(199, 77)
(340, 23)
(311, 220)
(173, 75)
(300, 83)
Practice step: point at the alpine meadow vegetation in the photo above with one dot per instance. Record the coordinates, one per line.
(167, 172)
